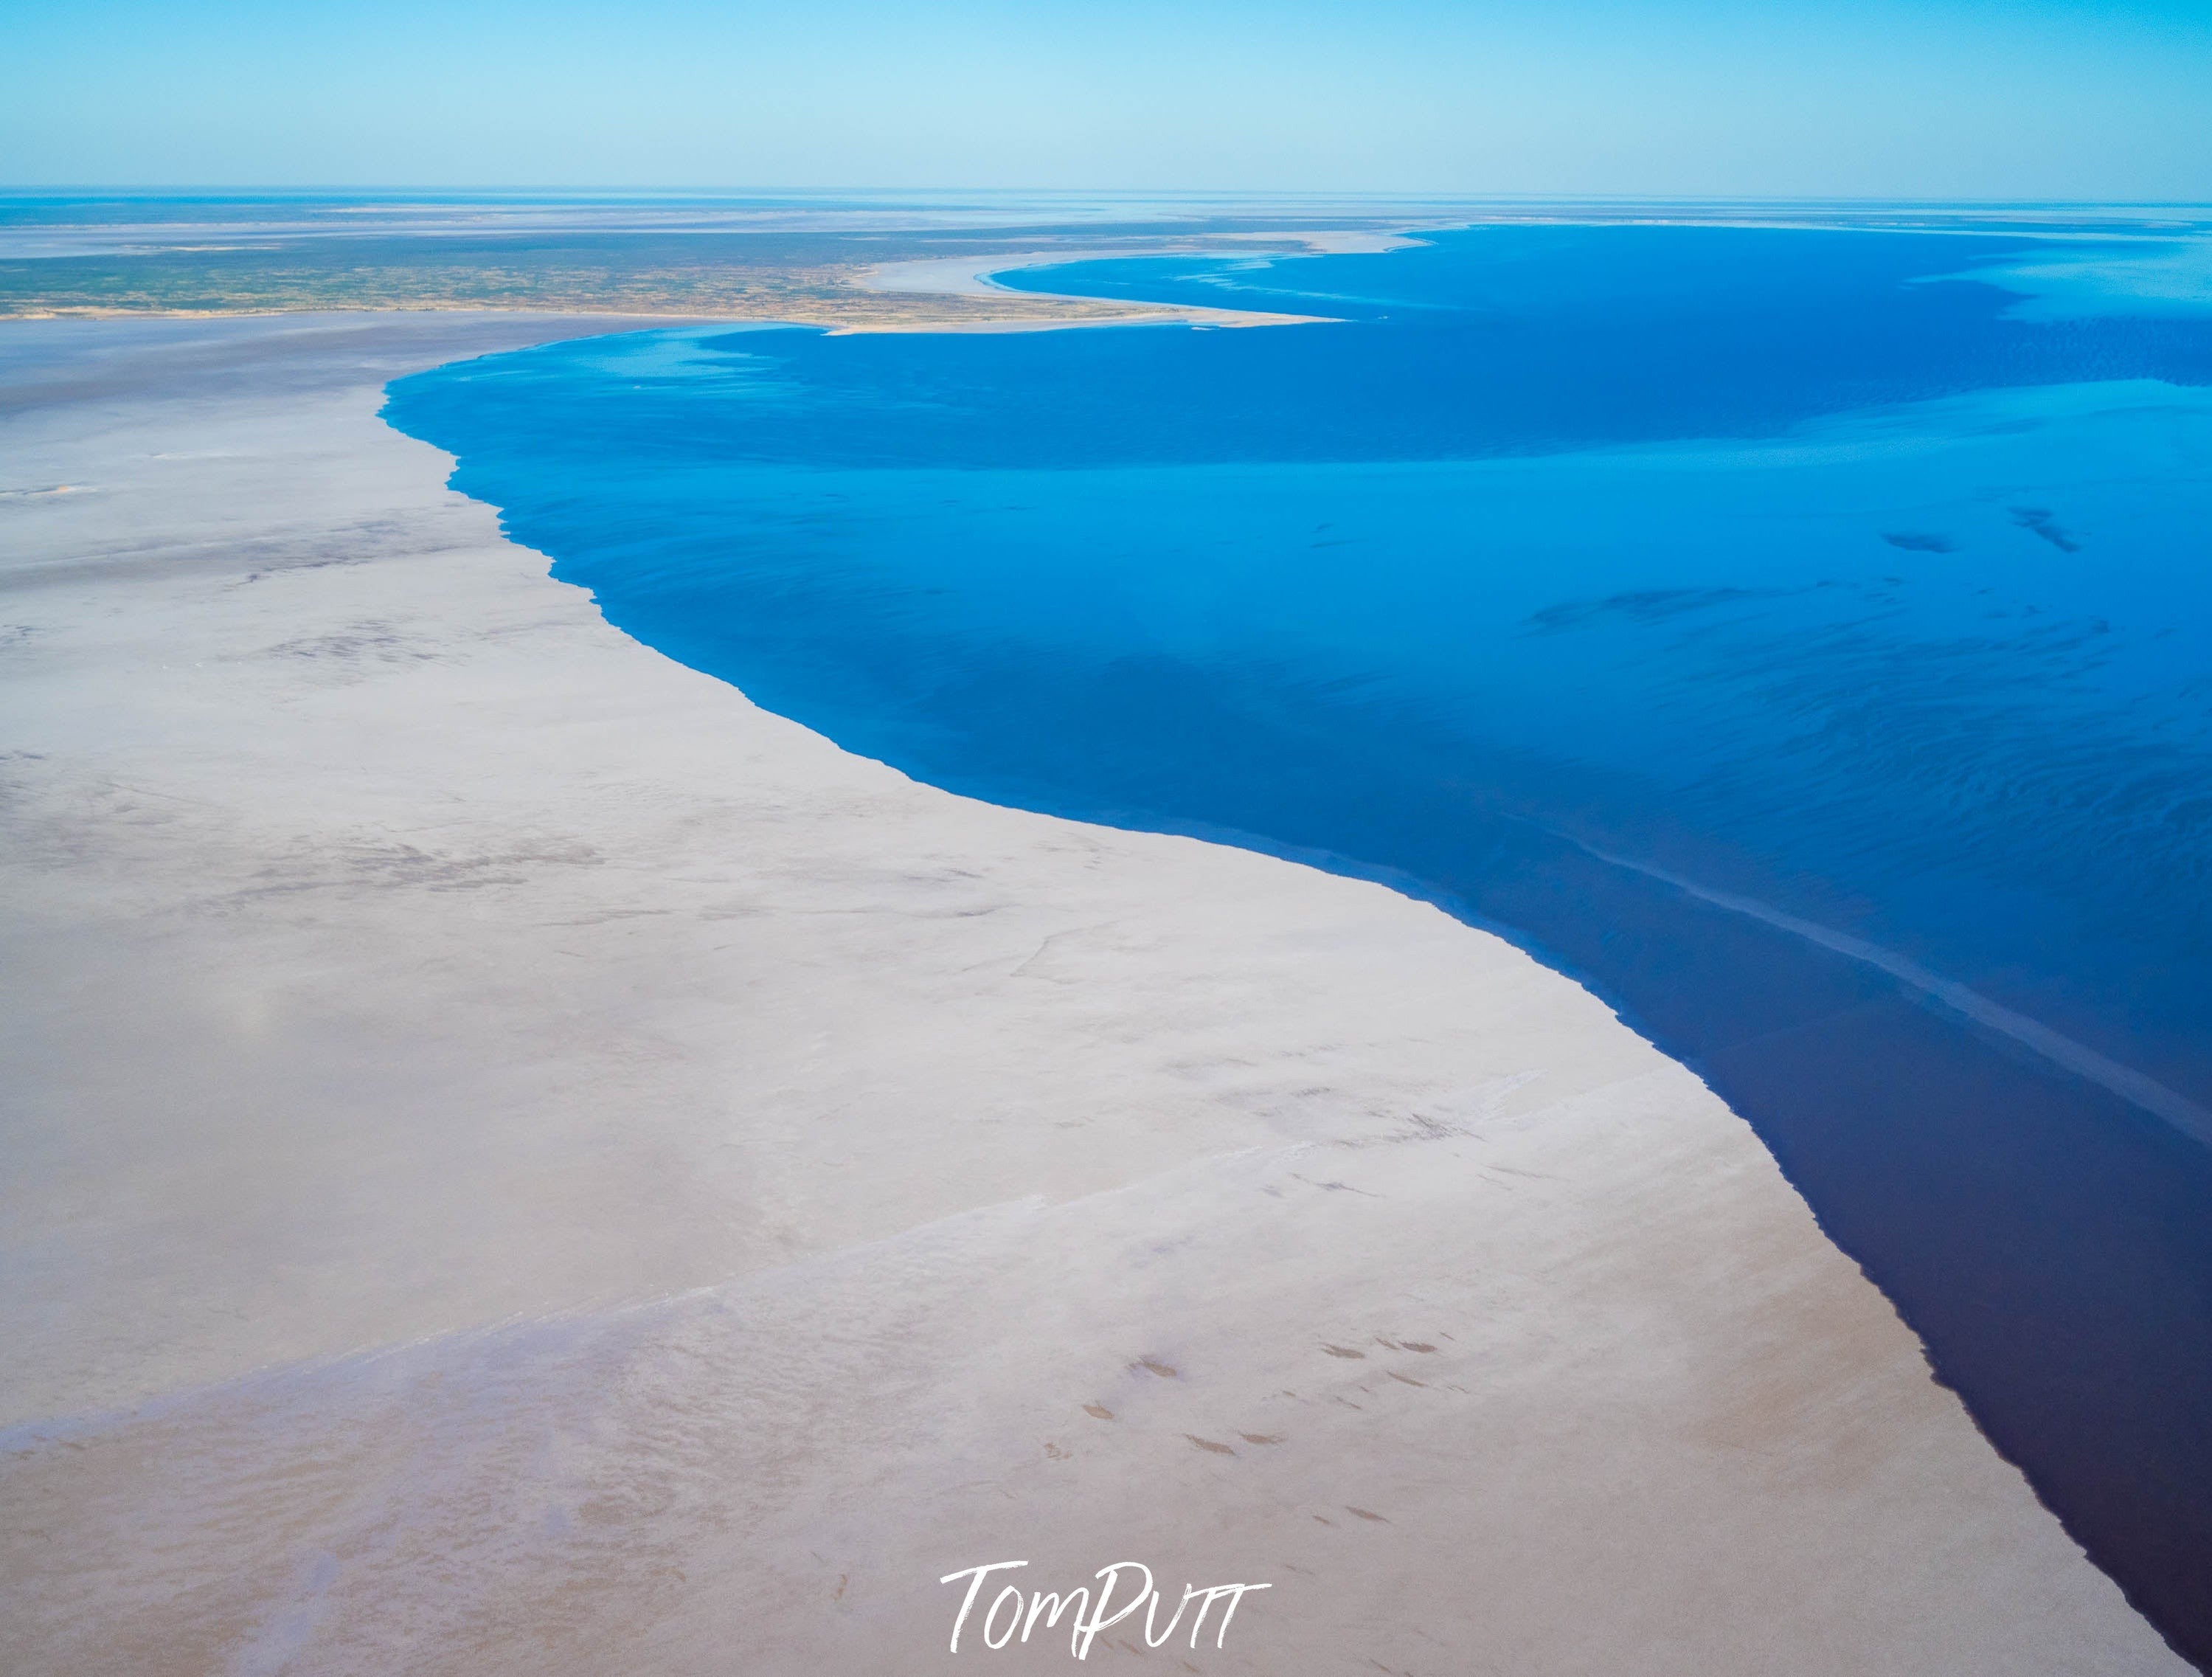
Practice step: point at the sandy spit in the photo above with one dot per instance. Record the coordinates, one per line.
(971, 275)
(517, 1161)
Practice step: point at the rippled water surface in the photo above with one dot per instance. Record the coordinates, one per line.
(1805, 637)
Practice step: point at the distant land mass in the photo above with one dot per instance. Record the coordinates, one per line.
(806, 259)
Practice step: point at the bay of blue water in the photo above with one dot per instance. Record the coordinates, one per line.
(1787, 632)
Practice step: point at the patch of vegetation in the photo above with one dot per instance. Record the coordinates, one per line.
(809, 277)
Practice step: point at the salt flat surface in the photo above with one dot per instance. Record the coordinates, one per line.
(520, 1160)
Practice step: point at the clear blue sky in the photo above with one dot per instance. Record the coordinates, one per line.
(1880, 98)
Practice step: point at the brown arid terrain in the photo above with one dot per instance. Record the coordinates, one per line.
(596, 264)
(809, 265)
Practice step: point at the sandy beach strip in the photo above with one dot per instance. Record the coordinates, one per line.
(971, 275)
(518, 1161)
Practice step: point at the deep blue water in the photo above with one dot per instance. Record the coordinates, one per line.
(1786, 632)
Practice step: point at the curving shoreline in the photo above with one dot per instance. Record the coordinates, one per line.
(521, 1144)
(973, 277)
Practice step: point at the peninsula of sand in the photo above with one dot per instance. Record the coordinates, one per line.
(519, 1162)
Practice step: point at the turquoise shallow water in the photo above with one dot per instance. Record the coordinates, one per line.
(1806, 645)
